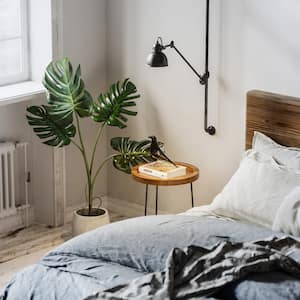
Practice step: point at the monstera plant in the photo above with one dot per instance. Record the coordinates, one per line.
(58, 123)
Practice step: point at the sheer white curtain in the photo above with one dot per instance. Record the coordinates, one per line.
(13, 41)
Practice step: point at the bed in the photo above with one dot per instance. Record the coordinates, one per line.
(112, 257)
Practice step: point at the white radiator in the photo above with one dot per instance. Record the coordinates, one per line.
(8, 178)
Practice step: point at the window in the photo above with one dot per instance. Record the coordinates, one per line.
(13, 41)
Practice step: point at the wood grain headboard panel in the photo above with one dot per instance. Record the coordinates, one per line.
(275, 115)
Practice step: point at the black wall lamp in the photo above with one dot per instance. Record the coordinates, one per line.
(158, 59)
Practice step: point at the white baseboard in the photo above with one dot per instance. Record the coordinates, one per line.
(16, 221)
(130, 209)
(122, 207)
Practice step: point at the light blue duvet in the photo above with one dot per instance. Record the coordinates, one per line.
(117, 253)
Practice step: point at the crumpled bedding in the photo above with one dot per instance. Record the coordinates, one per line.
(200, 272)
(116, 254)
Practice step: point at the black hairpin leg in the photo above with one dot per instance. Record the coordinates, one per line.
(146, 199)
(156, 199)
(192, 194)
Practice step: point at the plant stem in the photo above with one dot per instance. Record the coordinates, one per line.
(99, 134)
(76, 145)
(86, 164)
(100, 168)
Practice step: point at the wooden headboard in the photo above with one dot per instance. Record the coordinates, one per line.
(275, 115)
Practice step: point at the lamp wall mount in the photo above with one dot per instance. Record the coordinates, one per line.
(158, 59)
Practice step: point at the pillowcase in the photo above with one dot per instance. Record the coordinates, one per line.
(286, 156)
(287, 218)
(256, 190)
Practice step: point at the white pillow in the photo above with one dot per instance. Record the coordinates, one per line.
(286, 156)
(287, 218)
(256, 190)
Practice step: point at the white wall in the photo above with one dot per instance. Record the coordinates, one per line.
(13, 124)
(40, 29)
(254, 45)
(84, 41)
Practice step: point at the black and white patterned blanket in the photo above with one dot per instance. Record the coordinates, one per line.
(196, 272)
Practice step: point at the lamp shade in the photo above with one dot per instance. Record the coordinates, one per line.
(157, 58)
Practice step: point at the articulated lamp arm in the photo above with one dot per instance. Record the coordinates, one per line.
(202, 78)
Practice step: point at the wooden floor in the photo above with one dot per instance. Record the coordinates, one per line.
(26, 246)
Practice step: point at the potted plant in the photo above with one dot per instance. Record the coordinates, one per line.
(58, 123)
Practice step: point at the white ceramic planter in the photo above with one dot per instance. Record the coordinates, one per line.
(83, 223)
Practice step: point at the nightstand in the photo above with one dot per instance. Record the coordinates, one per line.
(192, 175)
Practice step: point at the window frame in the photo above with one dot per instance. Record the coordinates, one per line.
(24, 75)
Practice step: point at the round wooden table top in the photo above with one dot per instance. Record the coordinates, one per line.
(192, 174)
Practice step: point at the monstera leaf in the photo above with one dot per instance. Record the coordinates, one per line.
(66, 91)
(112, 107)
(52, 129)
(131, 153)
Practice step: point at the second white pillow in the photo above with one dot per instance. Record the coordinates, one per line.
(256, 190)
